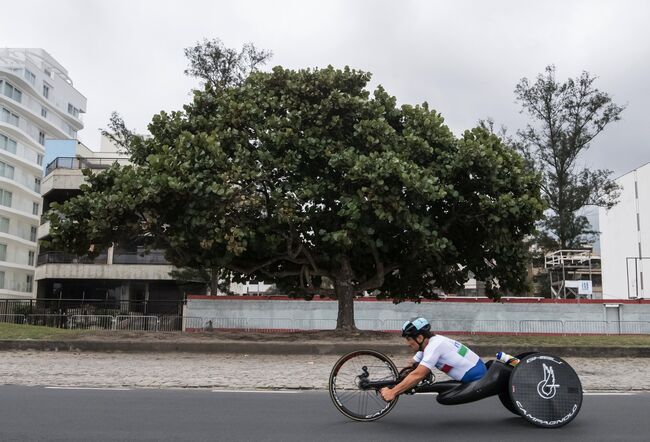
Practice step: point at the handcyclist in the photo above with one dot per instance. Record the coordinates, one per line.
(447, 355)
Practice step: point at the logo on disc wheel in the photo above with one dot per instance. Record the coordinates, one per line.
(547, 387)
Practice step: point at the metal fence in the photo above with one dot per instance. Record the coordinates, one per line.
(91, 306)
(264, 324)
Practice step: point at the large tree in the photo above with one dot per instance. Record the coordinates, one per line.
(566, 117)
(304, 177)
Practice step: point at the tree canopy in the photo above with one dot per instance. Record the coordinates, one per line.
(566, 117)
(306, 178)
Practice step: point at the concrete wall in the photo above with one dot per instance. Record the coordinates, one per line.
(104, 271)
(625, 233)
(393, 315)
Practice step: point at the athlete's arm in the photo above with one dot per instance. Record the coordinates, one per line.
(409, 382)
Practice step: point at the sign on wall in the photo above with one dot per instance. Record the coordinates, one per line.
(584, 286)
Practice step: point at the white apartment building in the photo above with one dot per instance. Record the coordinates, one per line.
(123, 277)
(625, 238)
(37, 102)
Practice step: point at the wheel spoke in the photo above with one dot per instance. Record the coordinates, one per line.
(345, 381)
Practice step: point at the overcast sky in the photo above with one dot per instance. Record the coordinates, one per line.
(463, 57)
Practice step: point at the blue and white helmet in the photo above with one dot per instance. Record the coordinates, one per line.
(415, 327)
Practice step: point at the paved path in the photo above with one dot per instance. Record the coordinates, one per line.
(236, 371)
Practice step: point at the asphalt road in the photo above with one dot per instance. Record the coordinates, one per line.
(38, 413)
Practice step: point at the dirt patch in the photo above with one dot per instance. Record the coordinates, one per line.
(327, 335)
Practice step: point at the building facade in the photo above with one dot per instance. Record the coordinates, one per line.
(123, 278)
(37, 102)
(625, 238)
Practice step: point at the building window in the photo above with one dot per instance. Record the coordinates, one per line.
(29, 281)
(43, 112)
(6, 170)
(35, 208)
(11, 92)
(73, 110)
(37, 185)
(3, 252)
(32, 233)
(5, 197)
(2, 280)
(8, 144)
(41, 138)
(30, 77)
(30, 258)
(46, 90)
(39, 159)
(9, 117)
(4, 224)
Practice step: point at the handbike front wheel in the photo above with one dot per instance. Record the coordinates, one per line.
(348, 384)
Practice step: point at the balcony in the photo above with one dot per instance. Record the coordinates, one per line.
(122, 265)
(153, 258)
(73, 163)
(69, 258)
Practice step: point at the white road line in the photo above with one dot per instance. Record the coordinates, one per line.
(89, 388)
(261, 391)
(613, 393)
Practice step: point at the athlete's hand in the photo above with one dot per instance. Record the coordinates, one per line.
(387, 394)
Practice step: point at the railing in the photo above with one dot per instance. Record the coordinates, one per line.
(155, 257)
(83, 163)
(70, 258)
(91, 306)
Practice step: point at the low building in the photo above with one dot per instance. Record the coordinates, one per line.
(123, 277)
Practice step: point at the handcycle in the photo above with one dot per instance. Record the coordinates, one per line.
(542, 388)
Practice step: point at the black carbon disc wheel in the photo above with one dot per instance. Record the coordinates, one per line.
(545, 390)
(346, 381)
(504, 397)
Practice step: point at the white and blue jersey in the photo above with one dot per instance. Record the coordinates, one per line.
(451, 357)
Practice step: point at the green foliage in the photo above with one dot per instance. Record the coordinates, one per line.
(566, 118)
(305, 178)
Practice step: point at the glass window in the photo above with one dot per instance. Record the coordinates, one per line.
(9, 117)
(30, 77)
(2, 280)
(4, 224)
(11, 92)
(43, 112)
(32, 233)
(29, 280)
(46, 90)
(39, 159)
(35, 208)
(7, 143)
(3, 252)
(41, 138)
(5, 197)
(6, 170)
(30, 258)
(73, 110)
(37, 185)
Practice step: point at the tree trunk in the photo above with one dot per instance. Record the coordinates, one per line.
(343, 286)
(215, 273)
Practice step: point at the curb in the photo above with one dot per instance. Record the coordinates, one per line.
(300, 348)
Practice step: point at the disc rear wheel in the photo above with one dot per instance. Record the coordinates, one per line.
(348, 384)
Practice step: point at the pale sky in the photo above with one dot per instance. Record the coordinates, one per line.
(463, 57)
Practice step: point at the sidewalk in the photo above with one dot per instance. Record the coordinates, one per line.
(243, 371)
(321, 343)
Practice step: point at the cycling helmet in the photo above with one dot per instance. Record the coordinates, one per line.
(415, 327)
